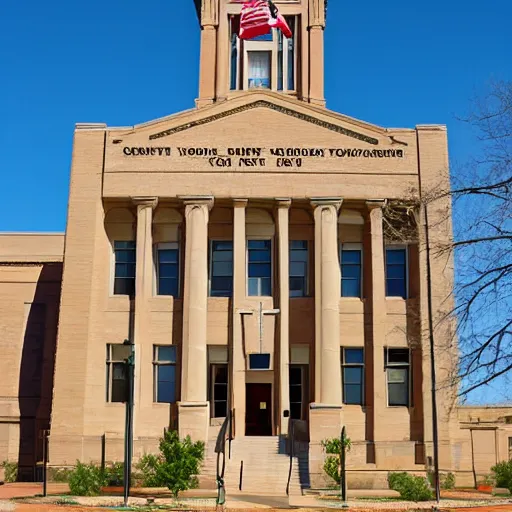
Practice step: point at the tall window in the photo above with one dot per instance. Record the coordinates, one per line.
(267, 61)
(221, 268)
(351, 267)
(219, 390)
(117, 354)
(260, 268)
(297, 389)
(396, 272)
(168, 269)
(353, 376)
(124, 273)
(298, 268)
(397, 369)
(164, 373)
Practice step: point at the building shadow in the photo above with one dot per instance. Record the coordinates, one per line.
(37, 370)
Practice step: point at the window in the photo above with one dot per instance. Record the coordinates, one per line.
(267, 61)
(396, 272)
(124, 273)
(117, 380)
(351, 265)
(164, 373)
(168, 269)
(298, 268)
(353, 376)
(510, 448)
(296, 392)
(259, 361)
(397, 369)
(219, 387)
(221, 268)
(260, 268)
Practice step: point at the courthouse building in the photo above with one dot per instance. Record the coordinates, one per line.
(243, 248)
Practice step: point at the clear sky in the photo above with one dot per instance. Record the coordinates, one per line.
(394, 63)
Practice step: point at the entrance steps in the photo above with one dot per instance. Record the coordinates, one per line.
(261, 464)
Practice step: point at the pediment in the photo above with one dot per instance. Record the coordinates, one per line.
(271, 130)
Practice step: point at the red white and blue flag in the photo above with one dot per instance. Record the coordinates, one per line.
(258, 17)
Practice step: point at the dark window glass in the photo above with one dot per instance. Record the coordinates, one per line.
(351, 272)
(260, 268)
(219, 382)
(298, 268)
(221, 269)
(397, 368)
(396, 273)
(124, 273)
(291, 53)
(296, 392)
(119, 384)
(259, 64)
(353, 376)
(280, 63)
(117, 379)
(164, 364)
(259, 361)
(234, 61)
(168, 269)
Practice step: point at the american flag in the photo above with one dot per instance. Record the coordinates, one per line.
(258, 17)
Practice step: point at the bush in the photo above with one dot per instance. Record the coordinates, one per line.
(446, 480)
(85, 480)
(411, 488)
(177, 465)
(60, 475)
(10, 471)
(113, 475)
(331, 468)
(333, 446)
(332, 461)
(502, 473)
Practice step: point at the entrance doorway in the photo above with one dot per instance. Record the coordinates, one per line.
(258, 409)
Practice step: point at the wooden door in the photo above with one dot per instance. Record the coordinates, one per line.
(258, 410)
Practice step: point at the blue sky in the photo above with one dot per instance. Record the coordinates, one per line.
(395, 64)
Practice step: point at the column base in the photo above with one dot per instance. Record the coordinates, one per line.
(193, 420)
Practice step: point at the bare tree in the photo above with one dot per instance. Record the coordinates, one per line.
(482, 205)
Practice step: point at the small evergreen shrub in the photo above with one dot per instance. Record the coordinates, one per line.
(332, 462)
(411, 488)
(10, 471)
(113, 475)
(147, 467)
(59, 475)
(502, 473)
(446, 480)
(85, 480)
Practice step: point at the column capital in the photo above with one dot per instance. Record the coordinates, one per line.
(283, 202)
(240, 202)
(326, 201)
(197, 201)
(145, 202)
(375, 203)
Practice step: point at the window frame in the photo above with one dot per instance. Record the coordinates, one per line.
(306, 277)
(210, 266)
(113, 263)
(158, 247)
(353, 365)
(212, 400)
(304, 383)
(259, 238)
(352, 246)
(405, 248)
(110, 362)
(156, 364)
(403, 366)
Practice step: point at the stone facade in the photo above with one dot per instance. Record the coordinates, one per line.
(245, 165)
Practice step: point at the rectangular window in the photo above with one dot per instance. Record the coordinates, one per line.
(298, 268)
(124, 273)
(219, 390)
(351, 270)
(168, 270)
(260, 63)
(117, 385)
(396, 272)
(397, 369)
(353, 376)
(260, 268)
(296, 392)
(221, 268)
(164, 373)
(291, 20)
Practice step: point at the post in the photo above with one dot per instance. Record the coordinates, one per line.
(343, 482)
(45, 461)
(128, 438)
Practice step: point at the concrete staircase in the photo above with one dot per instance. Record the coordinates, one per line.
(265, 467)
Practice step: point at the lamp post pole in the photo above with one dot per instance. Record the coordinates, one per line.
(128, 426)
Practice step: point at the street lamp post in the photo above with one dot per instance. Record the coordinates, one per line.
(128, 426)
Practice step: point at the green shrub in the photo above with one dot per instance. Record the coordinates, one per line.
(10, 471)
(60, 475)
(85, 480)
(502, 473)
(332, 461)
(446, 480)
(177, 465)
(331, 468)
(113, 476)
(411, 488)
(333, 446)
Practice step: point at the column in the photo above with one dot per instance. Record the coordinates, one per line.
(139, 311)
(378, 327)
(316, 66)
(239, 293)
(283, 208)
(194, 407)
(327, 298)
(208, 61)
